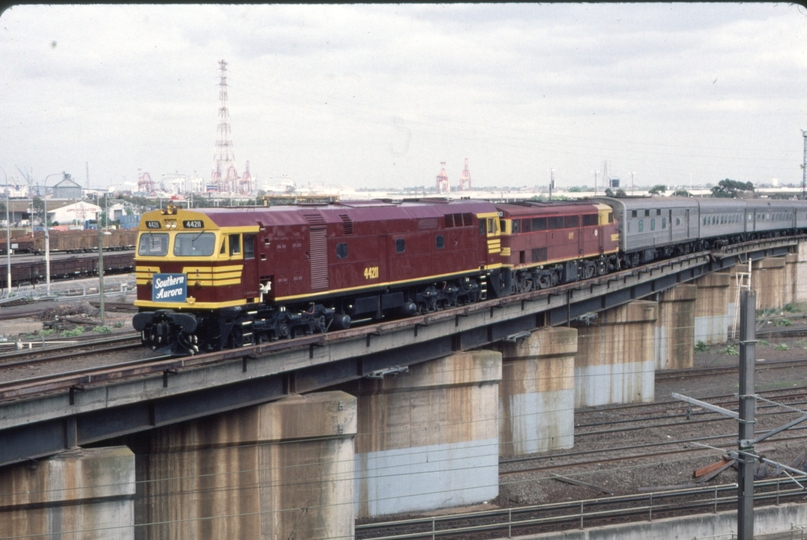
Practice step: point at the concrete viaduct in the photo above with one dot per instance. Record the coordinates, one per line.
(397, 417)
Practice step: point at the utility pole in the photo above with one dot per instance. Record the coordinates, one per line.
(551, 182)
(101, 273)
(745, 458)
(804, 168)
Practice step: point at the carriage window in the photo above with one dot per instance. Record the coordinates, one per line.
(153, 245)
(663, 223)
(235, 244)
(641, 225)
(677, 221)
(439, 241)
(249, 247)
(653, 224)
(539, 224)
(647, 213)
(658, 211)
(633, 214)
(341, 251)
(555, 223)
(194, 244)
(400, 244)
(570, 221)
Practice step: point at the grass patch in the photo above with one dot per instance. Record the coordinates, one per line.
(763, 342)
(783, 322)
(701, 347)
(75, 332)
(732, 350)
(102, 329)
(781, 347)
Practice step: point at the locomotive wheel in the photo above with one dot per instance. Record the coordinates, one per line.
(283, 330)
(602, 267)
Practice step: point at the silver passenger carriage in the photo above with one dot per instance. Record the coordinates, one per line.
(651, 228)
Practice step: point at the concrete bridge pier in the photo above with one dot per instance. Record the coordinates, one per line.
(711, 308)
(675, 328)
(428, 438)
(81, 494)
(800, 271)
(615, 361)
(278, 470)
(770, 280)
(536, 395)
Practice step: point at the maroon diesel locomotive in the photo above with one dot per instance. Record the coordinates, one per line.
(248, 275)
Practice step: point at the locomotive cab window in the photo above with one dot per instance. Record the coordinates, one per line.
(153, 245)
(249, 247)
(515, 225)
(590, 220)
(400, 244)
(341, 251)
(196, 244)
(235, 244)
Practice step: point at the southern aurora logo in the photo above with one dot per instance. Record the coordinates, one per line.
(169, 288)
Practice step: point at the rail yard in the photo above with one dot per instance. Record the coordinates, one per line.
(629, 462)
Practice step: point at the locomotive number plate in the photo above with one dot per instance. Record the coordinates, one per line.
(152, 224)
(193, 224)
(169, 288)
(371, 272)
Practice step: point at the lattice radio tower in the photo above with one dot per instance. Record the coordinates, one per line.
(443, 185)
(224, 176)
(465, 178)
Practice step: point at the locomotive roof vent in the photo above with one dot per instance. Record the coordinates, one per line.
(347, 222)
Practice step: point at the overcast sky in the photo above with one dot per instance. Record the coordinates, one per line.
(379, 95)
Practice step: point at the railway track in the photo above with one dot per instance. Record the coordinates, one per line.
(723, 370)
(576, 515)
(58, 352)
